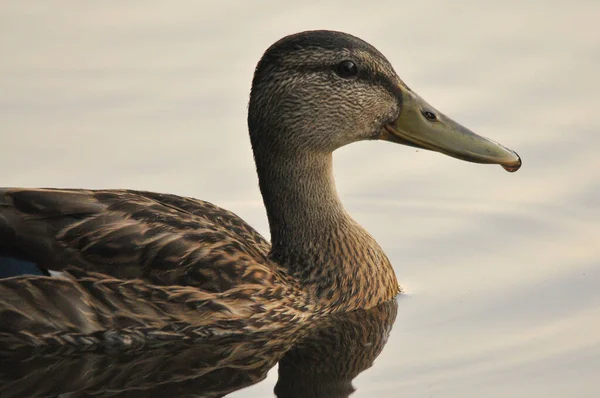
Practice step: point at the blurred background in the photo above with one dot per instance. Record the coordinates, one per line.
(501, 271)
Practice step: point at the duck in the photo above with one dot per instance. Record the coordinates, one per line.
(126, 267)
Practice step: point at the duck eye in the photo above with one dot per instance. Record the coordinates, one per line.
(347, 69)
(429, 115)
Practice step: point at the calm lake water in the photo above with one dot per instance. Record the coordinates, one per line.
(501, 271)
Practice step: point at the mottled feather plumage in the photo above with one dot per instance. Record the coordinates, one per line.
(145, 264)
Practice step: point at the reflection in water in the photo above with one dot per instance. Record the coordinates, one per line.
(319, 359)
(334, 352)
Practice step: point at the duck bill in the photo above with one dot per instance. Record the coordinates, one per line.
(422, 126)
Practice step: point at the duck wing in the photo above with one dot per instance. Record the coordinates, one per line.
(164, 239)
(87, 310)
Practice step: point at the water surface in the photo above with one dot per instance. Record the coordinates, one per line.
(501, 271)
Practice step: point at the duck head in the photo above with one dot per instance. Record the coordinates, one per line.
(316, 91)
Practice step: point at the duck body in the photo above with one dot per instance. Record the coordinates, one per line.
(139, 266)
(152, 266)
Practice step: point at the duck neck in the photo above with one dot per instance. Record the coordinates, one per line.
(301, 201)
(313, 237)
